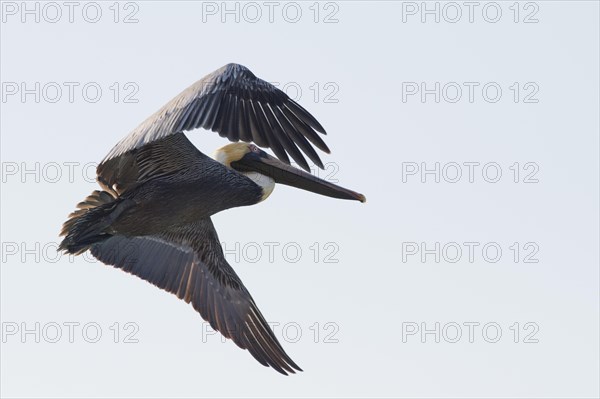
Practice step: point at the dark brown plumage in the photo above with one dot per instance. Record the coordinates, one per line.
(152, 218)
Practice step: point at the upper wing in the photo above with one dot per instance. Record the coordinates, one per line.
(235, 103)
(189, 262)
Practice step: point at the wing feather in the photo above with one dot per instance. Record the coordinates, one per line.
(258, 136)
(305, 130)
(188, 261)
(285, 140)
(236, 104)
(298, 138)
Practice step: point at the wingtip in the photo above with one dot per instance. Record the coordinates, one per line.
(285, 369)
(292, 369)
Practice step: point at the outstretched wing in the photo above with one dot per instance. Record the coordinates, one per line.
(188, 261)
(235, 103)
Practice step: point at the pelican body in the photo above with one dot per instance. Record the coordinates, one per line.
(152, 216)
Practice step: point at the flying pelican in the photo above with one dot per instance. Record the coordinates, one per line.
(152, 216)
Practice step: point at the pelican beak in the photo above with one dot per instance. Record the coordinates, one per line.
(282, 173)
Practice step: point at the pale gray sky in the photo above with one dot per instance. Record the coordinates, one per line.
(350, 287)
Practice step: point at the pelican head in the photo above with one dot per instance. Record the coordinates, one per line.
(266, 170)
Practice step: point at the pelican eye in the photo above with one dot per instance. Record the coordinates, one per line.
(254, 148)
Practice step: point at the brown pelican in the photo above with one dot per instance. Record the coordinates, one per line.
(152, 217)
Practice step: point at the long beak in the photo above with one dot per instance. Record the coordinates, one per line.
(282, 173)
